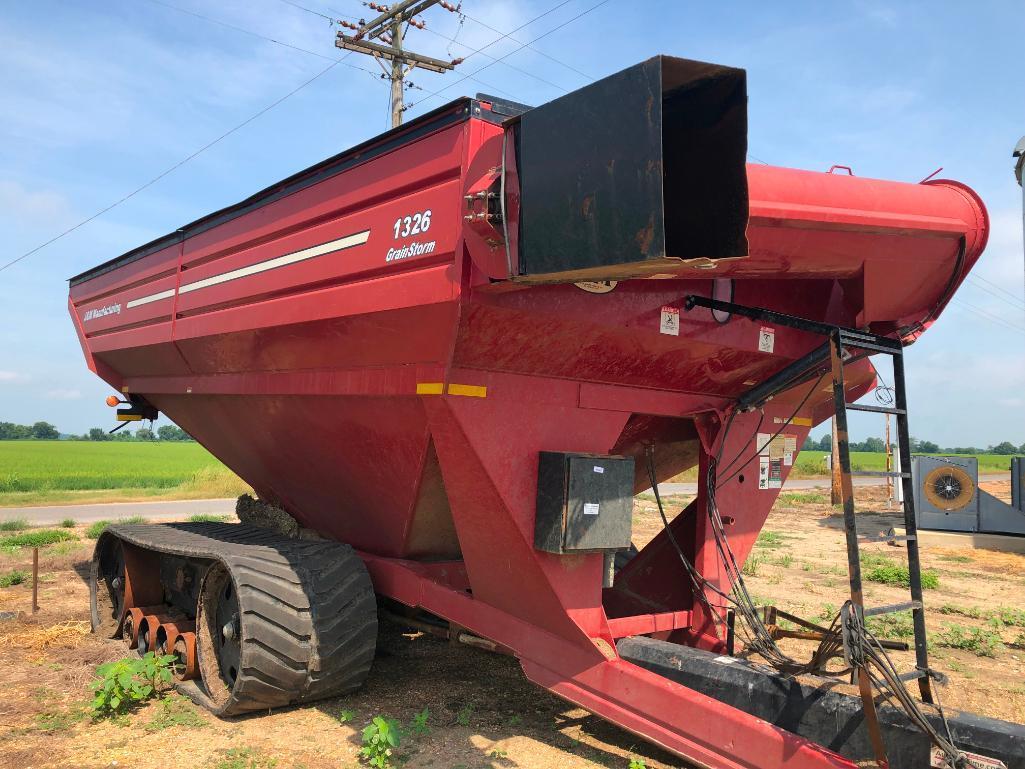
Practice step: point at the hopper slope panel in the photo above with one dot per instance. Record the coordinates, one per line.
(348, 467)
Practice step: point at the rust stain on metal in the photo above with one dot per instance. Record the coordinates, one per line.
(587, 206)
(646, 235)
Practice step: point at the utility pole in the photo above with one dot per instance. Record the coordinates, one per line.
(836, 492)
(390, 26)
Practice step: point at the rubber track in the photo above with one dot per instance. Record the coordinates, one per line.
(309, 615)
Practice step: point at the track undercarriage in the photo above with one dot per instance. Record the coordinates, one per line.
(255, 620)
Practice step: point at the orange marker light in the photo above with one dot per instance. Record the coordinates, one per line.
(113, 400)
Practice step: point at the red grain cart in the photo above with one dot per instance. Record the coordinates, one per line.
(456, 351)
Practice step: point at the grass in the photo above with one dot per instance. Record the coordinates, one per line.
(879, 568)
(750, 567)
(771, 539)
(208, 518)
(892, 626)
(68, 523)
(964, 611)
(40, 538)
(899, 576)
(60, 721)
(811, 463)
(793, 498)
(979, 641)
(41, 472)
(15, 577)
(245, 758)
(14, 524)
(174, 710)
(94, 530)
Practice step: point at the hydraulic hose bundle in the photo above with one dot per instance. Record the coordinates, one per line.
(847, 637)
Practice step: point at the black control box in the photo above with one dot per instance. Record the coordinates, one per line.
(584, 502)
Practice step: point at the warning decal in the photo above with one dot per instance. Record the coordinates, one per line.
(766, 339)
(670, 323)
(773, 456)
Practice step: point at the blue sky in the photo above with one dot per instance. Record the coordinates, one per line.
(97, 98)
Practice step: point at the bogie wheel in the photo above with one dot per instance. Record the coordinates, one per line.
(296, 623)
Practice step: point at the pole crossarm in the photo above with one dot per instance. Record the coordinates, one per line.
(390, 27)
(394, 13)
(352, 43)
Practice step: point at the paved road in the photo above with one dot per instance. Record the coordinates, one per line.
(153, 511)
(799, 484)
(169, 510)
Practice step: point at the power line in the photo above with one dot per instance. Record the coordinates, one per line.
(535, 50)
(465, 15)
(177, 165)
(315, 13)
(993, 285)
(489, 86)
(473, 51)
(518, 48)
(1016, 304)
(964, 306)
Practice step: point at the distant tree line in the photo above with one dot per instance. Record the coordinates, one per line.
(877, 445)
(44, 431)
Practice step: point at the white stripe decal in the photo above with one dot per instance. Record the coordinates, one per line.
(151, 298)
(348, 241)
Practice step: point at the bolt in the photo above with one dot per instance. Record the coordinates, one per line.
(229, 631)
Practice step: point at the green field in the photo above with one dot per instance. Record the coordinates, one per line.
(41, 472)
(69, 472)
(811, 463)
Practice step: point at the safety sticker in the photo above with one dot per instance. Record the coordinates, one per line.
(670, 321)
(789, 448)
(599, 469)
(771, 458)
(938, 760)
(766, 339)
(590, 508)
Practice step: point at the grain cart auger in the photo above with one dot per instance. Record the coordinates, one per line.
(457, 350)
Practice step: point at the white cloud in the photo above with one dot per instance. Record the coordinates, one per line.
(64, 394)
(36, 206)
(12, 376)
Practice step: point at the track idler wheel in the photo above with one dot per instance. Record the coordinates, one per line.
(108, 586)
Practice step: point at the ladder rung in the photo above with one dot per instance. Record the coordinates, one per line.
(881, 473)
(913, 675)
(893, 607)
(867, 345)
(875, 409)
(867, 539)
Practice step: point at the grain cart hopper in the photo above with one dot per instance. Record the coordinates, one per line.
(456, 351)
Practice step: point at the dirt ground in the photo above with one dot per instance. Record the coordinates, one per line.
(482, 712)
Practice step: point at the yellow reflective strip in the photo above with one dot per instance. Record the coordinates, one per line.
(801, 421)
(472, 391)
(430, 388)
(129, 418)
